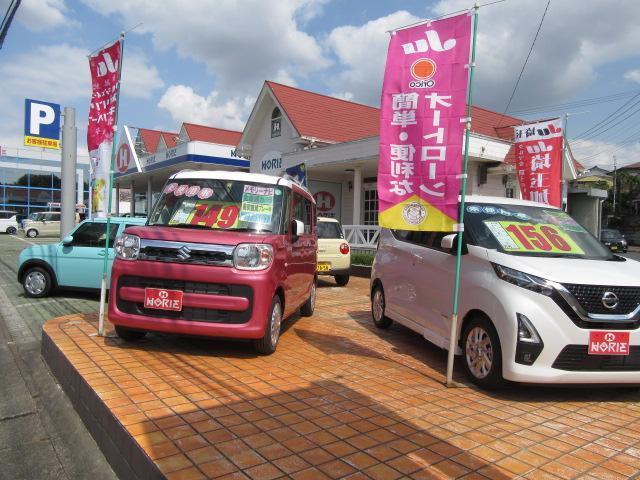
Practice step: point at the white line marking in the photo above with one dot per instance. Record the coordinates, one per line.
(22, 239)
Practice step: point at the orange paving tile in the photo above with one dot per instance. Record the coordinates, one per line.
(340, 399)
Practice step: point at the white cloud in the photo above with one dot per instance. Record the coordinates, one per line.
(601, 153)
(362, 54)
(41, 15)
(63, 77)
(633, 75)
(241, 43)
(576, 38)
(185, 105)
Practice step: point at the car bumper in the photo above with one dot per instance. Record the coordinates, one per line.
(559, 362)
(238, 312)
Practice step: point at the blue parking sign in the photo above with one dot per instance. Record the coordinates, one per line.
(41, 124)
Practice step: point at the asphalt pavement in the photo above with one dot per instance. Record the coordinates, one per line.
(41, 436)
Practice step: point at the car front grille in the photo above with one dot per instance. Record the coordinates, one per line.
(591, 324)
(576, 358)
(590, 298)
(191, 253)
(187, 313)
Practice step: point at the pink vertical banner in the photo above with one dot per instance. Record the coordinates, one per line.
(422, 121)
(105, 82)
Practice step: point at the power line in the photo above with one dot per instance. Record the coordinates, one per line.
(607, 120)
(575, 104)
(525, 63)
(611, 125)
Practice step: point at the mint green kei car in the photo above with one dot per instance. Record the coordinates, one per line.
(74, 263)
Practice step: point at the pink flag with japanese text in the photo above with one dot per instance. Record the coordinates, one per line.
(422, 121)
(539, 161)
(105, 81)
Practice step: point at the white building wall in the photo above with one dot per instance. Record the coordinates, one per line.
(264, 146)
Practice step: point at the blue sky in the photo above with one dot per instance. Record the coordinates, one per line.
(205, 60)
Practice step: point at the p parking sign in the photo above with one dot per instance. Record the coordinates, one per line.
(41, 124)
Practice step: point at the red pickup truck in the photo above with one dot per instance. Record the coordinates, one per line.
(223, 254)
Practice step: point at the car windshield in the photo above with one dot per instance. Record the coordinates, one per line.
(531, 231)
(220, 205)
(329, 230)
(610, 235)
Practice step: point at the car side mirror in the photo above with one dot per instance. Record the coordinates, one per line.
(68, 240)
(448, 242)
(297, 229)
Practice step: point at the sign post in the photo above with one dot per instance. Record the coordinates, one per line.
(68, 174)
(456, 287)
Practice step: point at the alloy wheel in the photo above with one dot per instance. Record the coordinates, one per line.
(479, 352)
(276, 320)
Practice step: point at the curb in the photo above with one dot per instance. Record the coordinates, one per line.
(126, 457)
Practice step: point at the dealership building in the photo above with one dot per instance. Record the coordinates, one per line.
(338, 141)
(30, 180)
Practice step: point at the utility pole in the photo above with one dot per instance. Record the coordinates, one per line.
(68, 173)
(615, 183)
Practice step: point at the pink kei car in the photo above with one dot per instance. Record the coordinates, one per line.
(223, 254)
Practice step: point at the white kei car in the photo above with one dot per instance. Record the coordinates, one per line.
(541, 299)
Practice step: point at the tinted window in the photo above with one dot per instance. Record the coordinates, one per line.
(302, 211)
(329, 230)
(93, 234)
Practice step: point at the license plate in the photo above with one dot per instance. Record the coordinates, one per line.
(614, 248)
(324, 267)
(162, 299)
(608, 343)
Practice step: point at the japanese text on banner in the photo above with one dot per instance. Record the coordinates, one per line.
(423, 109)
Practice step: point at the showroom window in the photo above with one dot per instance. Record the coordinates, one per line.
(370, 210)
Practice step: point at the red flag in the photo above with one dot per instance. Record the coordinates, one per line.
(105, 80)
(539, 161)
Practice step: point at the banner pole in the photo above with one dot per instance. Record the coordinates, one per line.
(565, 154)
(103, 286)
(465, 164)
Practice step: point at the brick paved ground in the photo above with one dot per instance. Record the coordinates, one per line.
(340, 399)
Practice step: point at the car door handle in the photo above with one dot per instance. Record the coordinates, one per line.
(101, 253)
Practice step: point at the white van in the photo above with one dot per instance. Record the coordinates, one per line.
(9, 221)
(541, 299)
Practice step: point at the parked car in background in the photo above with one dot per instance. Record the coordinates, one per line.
(614, 240)
(224, 254)
(334, 253)
(9, 222)
(76, 262)
(44, 224)
(541, 299)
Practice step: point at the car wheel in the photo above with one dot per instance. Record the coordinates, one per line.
(310, 305)
(36, 282)
(482, 353)
(11, 230)
(268, 343)
(380, 320)
(342, 280)
(129, 334)
(32, 233)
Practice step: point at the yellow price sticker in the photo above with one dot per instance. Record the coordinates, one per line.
(533, 238)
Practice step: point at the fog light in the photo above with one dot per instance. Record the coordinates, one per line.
(529, 344)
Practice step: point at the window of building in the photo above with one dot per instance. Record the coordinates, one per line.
(370, 210)
(276, 123)
(510, 192)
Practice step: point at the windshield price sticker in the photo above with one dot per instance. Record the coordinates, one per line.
(182, 213)
(608, 343)
(214, 214)
(257, 204)
(533, 238)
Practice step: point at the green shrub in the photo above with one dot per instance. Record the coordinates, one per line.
(362, 258)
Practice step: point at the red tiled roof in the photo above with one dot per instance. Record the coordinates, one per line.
(335, 120)
(212, 135)
(326, 118)
(170, 138)
(150, 138)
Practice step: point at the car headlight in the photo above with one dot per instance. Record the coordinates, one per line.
(252, 256)
(524, 280)
(127, 246)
